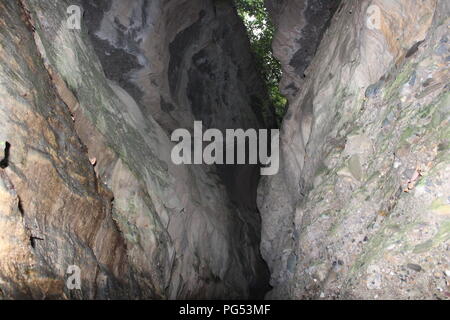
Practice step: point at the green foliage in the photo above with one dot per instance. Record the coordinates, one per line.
(260, 31)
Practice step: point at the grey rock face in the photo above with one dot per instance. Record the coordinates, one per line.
(300, 26)
(359, 209)
(192, 61)
(148, 228)
(194, 54)
(362, 192)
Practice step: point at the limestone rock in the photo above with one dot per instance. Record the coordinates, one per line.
(137, 225)
(358, 210)
(365, 100)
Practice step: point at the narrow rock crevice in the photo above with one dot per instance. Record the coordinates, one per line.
(359, 208)
(210, 78)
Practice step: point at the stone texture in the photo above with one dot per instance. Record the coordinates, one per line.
(363, 188)
(54, 212)
(188, 60)
(300, 26)
(138, 226)
(359, 210)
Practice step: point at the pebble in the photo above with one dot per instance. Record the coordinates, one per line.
(372, 90)
(291, 262)
(391, 247)
(412, 79)
(414, 267)
(447, 273)
(442, 49)
(408, 173)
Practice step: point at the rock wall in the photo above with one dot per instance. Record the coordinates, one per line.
(54, 212)
(188, 60)
(359, 209)
(361, 206)
(86, 173)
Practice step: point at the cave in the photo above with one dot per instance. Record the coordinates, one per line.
(347, 100)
